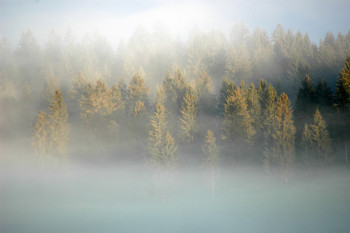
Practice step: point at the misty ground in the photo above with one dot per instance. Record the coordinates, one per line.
(126, 198)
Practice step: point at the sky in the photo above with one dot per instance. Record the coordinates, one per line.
(118, 19)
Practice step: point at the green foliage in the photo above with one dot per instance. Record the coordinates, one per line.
(253, 106)
(269, 107)
(316, 142)
(227, 87)
(280, 154)
(205, 95)
(237, 124)
(306, 98)
(343, 104)
(343, 88)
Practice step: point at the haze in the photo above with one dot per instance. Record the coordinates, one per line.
(118, 19)
(174, 116)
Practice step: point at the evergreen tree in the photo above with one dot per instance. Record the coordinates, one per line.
(320, 137)
(268, 123)
(237, 123)
(316, 143)
(305, 103)
(281, 152)
(254, 108)
(123, 88)
(343, 103)
(306, 146)
(211, 157)
(227, 86)
(187, 120)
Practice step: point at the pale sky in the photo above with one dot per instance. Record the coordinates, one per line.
(118, 19)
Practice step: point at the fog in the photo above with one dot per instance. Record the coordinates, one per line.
(176, 116)
(123, 198)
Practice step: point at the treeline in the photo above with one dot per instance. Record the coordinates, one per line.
(96, 104)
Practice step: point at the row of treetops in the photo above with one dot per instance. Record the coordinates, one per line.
(251, 123)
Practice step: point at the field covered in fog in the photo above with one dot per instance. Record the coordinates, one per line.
(127, 199)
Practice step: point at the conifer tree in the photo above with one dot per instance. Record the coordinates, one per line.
(138, 92)
(316, 143)
(268, 123)
(52, 131)
(204, 90)
(123, 88)
(59, 125)
(343, 103)
(254, 108)
(180, 87)
(161, 144)
(305, 103)
(320, 137)
(281, 152)
(261, 91)
(211, 157)
(306, 146)
(324, 96)
(187, 119)
(237, 124)
(227, 86)
(78, 86)
(101, 110)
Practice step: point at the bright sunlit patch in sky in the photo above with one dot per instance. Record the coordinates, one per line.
(179, 19)
(119, 19)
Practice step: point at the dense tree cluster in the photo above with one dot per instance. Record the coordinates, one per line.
(111, 113)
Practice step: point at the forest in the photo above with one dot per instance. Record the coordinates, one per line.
(276, 101)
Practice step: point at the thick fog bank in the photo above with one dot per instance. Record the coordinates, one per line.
(132, 199)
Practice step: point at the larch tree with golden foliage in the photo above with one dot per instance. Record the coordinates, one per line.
(51, 133)
(99, 104)
(138, 106)
(316, 142)
(343, 104)
(187, 119)
(282, 149)
(161, 145)
(237, 124)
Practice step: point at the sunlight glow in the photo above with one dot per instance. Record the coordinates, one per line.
(178, 19)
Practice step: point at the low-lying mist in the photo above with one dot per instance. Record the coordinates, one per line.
(130, 198)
